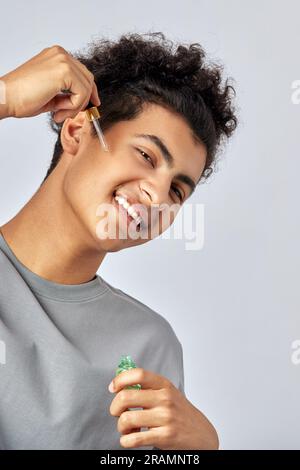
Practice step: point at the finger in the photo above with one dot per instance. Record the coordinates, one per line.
(79, 97)
(134, 399)
(146, 378)
(130, 420)
(94, 97)
(57, 103)
(82, 86)
(66, 103)
(69, 110)
(132, 430)
(144, 438)
(82, 69)
(81, 90)
(63, 114)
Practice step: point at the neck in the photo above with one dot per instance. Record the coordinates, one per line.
(48, 238)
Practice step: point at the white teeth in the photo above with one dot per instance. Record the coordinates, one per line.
(132, 212)
(129, 208)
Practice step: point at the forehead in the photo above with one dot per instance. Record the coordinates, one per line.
(174, 132)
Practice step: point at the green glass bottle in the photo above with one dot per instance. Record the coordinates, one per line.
(127, 363)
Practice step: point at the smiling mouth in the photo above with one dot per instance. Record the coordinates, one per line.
(120, 207)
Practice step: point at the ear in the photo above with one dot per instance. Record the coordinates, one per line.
(72, 133)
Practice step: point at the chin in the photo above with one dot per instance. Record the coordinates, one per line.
(114, 244)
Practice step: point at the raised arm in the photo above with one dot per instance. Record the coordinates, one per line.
(35, 87)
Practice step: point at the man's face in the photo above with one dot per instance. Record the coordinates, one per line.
(136, 169)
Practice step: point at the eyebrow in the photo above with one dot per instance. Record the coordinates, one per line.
(169, 159)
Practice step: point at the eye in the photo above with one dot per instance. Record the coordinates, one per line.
(146, 156)
(149, 159)
(178, 193)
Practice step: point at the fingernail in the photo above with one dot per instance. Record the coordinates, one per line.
(111, 387)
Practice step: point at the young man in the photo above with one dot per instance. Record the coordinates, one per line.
(164, 114)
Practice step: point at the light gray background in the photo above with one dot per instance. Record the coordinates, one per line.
(234, 304)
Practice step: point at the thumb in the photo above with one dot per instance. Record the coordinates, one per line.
(57, 103)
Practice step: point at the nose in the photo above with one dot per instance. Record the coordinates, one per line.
(155, 196)
(154, 193)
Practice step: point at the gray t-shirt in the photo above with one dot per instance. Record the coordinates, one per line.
(60, 346)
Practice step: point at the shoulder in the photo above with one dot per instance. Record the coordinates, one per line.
(144, 315)
(162, 350)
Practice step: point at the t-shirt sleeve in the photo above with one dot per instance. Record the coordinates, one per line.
(181, 370)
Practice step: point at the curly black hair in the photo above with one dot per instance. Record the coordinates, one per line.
(141, 68)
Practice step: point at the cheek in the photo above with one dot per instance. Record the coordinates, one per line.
(167, 218)
(84, 191)
(127, 165)
(159, 223)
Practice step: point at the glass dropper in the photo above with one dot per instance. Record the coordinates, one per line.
(93, 116)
